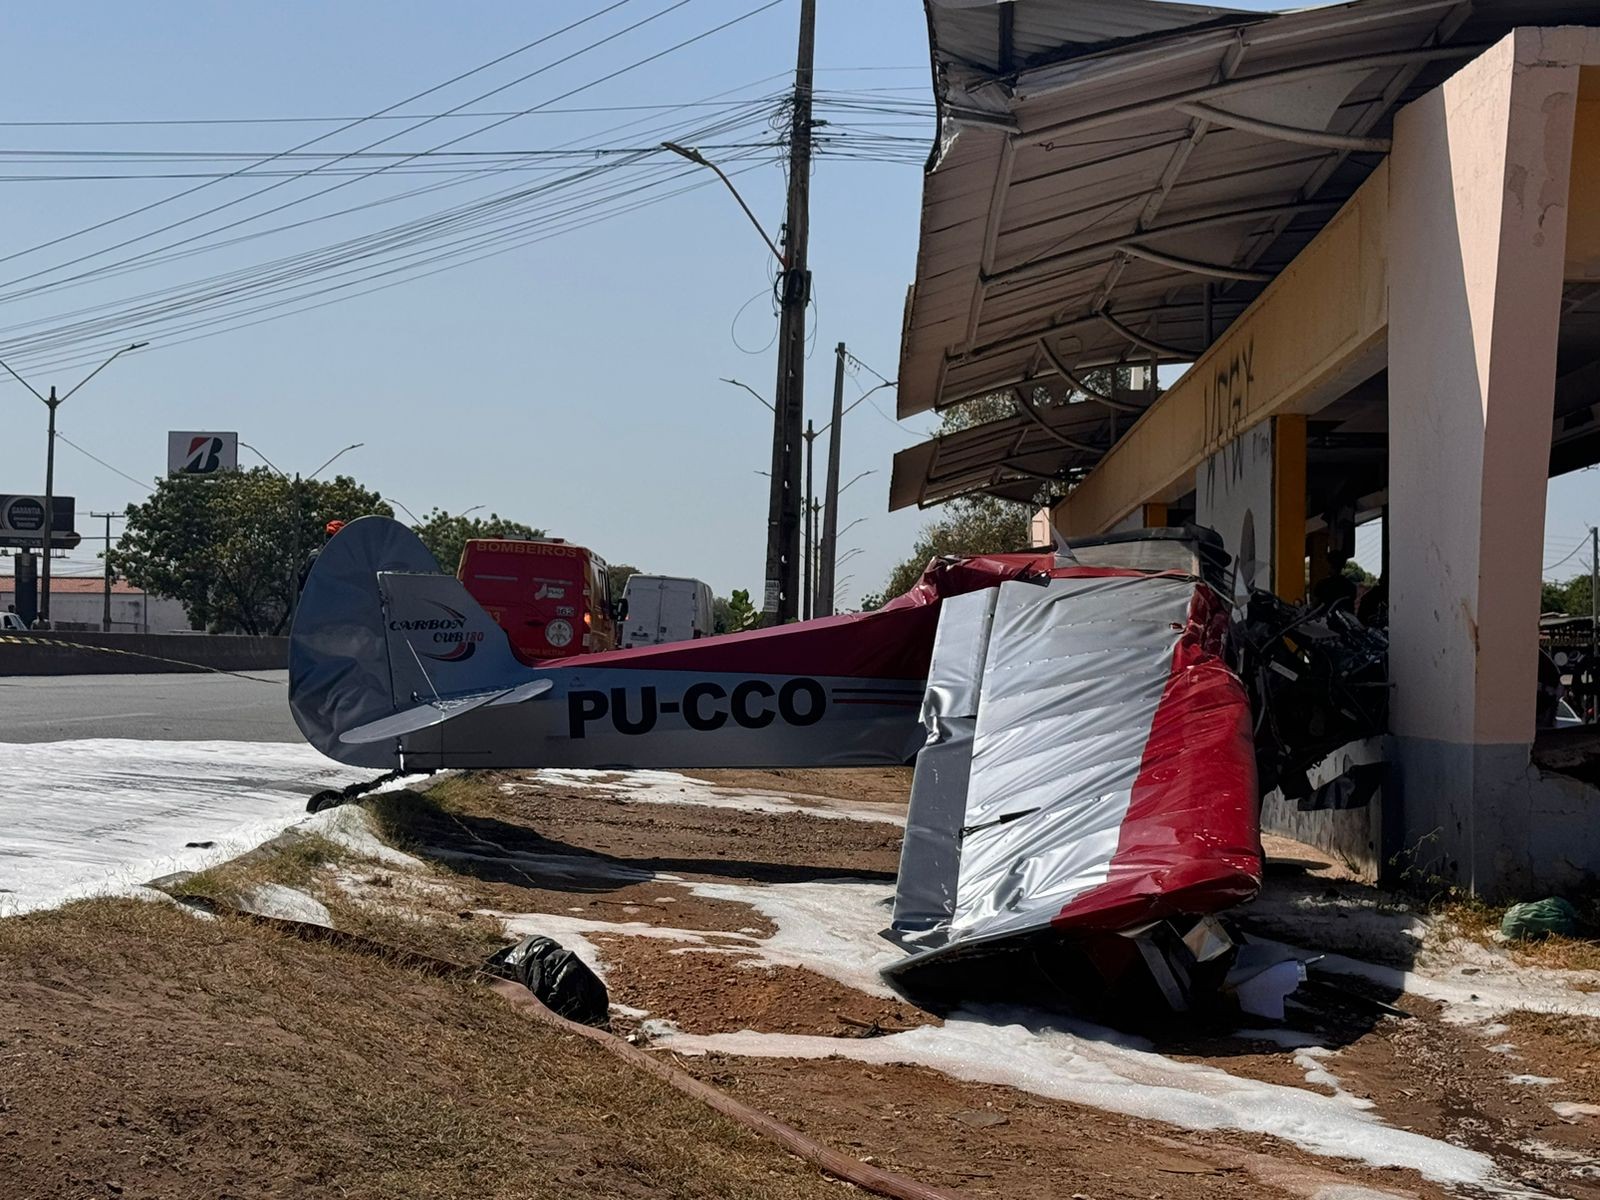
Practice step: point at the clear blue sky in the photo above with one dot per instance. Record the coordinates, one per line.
(571, 383)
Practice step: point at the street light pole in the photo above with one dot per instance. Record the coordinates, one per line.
(52, 402)
(295, 514)
(105, 616)
(49, 508)
(827, 553)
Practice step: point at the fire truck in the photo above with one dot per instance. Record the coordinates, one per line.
(551, 597)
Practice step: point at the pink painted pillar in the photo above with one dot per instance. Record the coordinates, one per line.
(1477, 234)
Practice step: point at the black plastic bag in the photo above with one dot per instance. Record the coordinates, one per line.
(561, 980)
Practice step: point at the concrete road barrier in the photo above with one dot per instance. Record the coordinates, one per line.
(60, 653)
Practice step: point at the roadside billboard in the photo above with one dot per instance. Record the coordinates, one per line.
(22, 522)
(191, 453)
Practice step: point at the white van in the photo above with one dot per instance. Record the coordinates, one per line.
(664, 608)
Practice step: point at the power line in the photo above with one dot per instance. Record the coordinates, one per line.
(310, 262)
(313, 141)
(114, 470)
(570, 92)
(370, 145)
(1552, 566)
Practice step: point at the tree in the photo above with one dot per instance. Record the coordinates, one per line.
(617, 576)
(230, 546)
(970, 525)
(1571, 597)
(733, 614)
(1357, 574)
(446, 536)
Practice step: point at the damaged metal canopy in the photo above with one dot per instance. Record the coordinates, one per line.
(1115, 181)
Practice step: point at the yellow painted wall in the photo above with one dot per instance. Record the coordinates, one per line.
(1583, 192)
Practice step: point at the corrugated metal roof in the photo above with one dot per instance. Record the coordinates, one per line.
(1103, 164)
(1046, 442)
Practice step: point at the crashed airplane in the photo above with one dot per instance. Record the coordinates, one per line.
(1084, 758)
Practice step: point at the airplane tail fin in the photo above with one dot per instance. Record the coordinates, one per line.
(383, 644)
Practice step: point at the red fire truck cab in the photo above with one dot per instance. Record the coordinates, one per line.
(551, 597)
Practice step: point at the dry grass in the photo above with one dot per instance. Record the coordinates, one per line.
(177, 1057)
(412, 910)
(1475, 919)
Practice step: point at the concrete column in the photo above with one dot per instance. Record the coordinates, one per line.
(1479, 180)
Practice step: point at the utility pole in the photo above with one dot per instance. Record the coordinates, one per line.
(830, 514)
(105, 616)
(52, 403)
(1594, 621)
(794, 288)
(810, 557)
(49, 508)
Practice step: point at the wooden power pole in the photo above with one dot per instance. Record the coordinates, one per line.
(784, 513)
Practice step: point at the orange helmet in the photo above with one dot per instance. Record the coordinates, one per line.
(334, 527)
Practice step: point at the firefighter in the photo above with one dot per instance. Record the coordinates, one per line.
(329, 530)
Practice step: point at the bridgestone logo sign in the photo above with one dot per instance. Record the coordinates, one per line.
(190, 453)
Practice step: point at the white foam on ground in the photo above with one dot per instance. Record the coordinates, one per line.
(1065, 1060)
(1532, 1080)
(1289, 1039)
(102, 816)
(1313, 1061)
(349, 827)
(831, 928)
(828, 926)
(668, 787)
(1571, 1109)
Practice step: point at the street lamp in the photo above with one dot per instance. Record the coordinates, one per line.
(334, 459)
(856, 480)
(752, 391)
(850, 526)
(701, 160)
(52, 403)
(294, 516)
(848, 555)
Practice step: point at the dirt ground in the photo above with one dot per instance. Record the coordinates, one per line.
(1421, 1074)
(515, 843)
(147, 1053)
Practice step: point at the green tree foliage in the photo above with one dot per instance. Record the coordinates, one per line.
(1571, 597)
(230, 546)
(971, 525)
(733, 614)
(975, 525)
(446, 536)
(1357, 574)
(617, 575)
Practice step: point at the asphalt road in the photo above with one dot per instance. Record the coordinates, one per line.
(167, 708)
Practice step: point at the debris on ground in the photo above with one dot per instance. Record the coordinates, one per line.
(1318, 680)
(562, 981)
(1538, 919)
